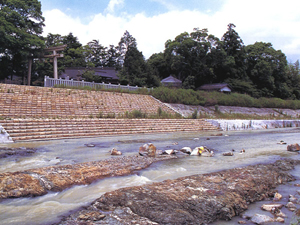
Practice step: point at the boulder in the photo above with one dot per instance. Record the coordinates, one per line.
(152, 150)
(261, 219)
(115, 152)
(271, 207)
(277, 197)
(290, 206)
(143, 150)
(186, 150)
(228, 154)
(207, 154)
(197, 151)
(169, 152)
(293, 147)
(292, 199)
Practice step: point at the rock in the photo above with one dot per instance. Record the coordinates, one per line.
(242, 222)
(280, 214)
(292, 199)
(91, 216)
(260, 219)
(281, 143)
(152, 150)
(169, 152)
(277, 197)
(228, 154)
(270, 207)
(242, 151)
(207, 154)
(143, 150)
(197, 151)
(290, 206)
(187, 150)
(90, 145)
(280, 220)
(115, 152)
(36, 182)
(293, 147)
(196, 199)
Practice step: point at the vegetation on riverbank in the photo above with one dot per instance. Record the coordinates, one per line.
(191, 97)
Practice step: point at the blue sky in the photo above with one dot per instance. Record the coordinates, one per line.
(153, 22)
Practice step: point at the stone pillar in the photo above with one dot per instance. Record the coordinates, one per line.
(55, 74)
(29, 72)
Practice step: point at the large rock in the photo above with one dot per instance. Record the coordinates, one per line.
(147, 150)
(39, 181)
(261, 219)
(198, 199)
(293, 148)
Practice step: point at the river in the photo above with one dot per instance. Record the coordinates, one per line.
(260, 146)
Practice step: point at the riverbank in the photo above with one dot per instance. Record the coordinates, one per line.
(198, 199)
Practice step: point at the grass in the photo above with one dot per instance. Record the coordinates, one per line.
(191, 97)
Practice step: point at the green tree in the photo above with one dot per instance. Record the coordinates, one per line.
(135, 70)
(126, 41)
(188, 57)
(231, 57)
(293, 82)
(95, 54)
(21, 24)
(73, 53)
(266, 67)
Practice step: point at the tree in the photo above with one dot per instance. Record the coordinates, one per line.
(127, 41)
(95, 54)
(187, 57)
(266, 68)
(233, 64)
(73, 53)
(135, 70)
(21, 24)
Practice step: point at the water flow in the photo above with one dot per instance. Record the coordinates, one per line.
(260, 146)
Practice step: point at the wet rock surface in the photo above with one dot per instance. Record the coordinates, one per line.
(197, 199)
(22, 151)
(36, 182)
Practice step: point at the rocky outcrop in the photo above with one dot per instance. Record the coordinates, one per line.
(198, 199)
(39, 181)
(22, 151)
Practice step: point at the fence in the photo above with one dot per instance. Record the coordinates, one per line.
(51, 82)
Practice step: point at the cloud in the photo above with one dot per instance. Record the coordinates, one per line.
(112, 4)
(256, 20)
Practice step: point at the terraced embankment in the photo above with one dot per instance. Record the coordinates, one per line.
(38, 113)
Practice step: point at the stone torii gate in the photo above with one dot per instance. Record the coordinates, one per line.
(54, 56)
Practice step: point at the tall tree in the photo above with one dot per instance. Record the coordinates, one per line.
(21, 24)
(233, 64)
(127, 41)
(136, 71)
(95, 54)
(74, 52)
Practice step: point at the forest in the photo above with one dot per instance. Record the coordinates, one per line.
(196, 57)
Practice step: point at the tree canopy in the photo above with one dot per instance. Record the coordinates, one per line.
(196, 58)
(21, 24)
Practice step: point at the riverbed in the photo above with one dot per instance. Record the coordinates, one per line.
(260, 147)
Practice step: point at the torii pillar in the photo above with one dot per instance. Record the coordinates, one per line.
(54, 56)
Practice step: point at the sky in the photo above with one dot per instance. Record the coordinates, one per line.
(153, 22)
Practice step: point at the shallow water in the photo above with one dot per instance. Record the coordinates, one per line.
(260, 145)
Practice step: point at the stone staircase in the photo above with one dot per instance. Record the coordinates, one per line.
(47, 129)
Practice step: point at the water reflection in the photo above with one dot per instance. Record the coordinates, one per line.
(260, 146)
